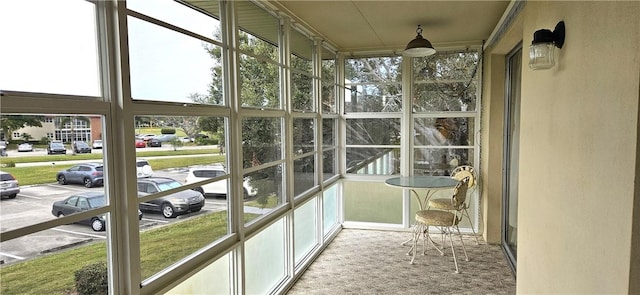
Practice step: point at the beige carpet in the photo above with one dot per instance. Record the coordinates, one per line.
(374, 262)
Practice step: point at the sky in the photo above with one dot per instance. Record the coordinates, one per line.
(50, 47)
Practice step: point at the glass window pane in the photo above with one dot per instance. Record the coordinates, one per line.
(329, 86)
(303, 135)
(161, 143)
(169, 66)
(27, 270)
(181, 15)
(268, 184)
(329, 208)
(302, 91)
(446, 81)
(264, 271)
(444, 131)
(373, 131)
(440, 161)
(181, 135)
(69, 65)
(330, 166)
(301, 51)
(373, 69)
(373, 98)
(329, 132)
(358, 203)
(261, 141)
(373, 161)
(41, 187)
(259, 30)
(304, 176)
(305, 229)
(213, 279)
(259, 83)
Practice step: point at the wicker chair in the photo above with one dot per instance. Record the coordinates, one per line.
(445, 220)
(445, 203)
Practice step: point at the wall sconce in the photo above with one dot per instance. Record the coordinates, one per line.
(541, 51)
(419, 46)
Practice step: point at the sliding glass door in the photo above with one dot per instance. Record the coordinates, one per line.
(511, 154)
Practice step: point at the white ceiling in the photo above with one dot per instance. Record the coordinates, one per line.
(390, 25)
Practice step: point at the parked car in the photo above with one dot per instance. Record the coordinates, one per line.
(143, 168)
(25, 147)
(165, 137)
(56, 147)
(145, 137)
(81, 147)
(3, 148)
(219, 187)
(89, 174)
(97, 144)
(171, 205)
(154, 142)
(9, 186)
(83, 202)
(140, 143)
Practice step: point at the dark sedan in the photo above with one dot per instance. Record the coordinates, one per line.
(81, 147)
(79, 203)
(83, 202)
(56, 148)
(89, 174)
(171, 205)
(154, 142)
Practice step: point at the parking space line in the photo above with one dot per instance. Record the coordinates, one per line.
(156, 220)
(12, 256)
(28, 196)
(78, 233)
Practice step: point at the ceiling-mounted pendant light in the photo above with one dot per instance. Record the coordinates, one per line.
(419, 46)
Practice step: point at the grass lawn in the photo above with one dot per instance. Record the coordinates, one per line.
(47, 174)
(159, 248)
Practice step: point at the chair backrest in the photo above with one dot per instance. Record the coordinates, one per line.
(465, 171)
(460, 193)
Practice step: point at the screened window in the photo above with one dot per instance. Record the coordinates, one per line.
(69, 34)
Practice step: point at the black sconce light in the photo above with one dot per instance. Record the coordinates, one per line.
(541, 51)
(419, 46)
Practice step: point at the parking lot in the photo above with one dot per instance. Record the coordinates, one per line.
(33, 205)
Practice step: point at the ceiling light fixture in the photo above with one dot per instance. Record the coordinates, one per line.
(419, 46)
(541, 51)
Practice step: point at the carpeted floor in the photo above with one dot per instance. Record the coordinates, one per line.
(374, 262)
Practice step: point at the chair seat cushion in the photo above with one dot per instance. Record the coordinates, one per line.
(441, 204)
(436, 217)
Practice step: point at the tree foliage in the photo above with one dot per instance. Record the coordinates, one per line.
(10, 123)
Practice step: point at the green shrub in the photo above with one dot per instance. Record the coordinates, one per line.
(206, 141)
(92, 279)
(7, 163)
(168, 131)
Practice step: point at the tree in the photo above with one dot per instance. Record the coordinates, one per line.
(10, 123)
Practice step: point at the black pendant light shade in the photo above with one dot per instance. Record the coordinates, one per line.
(419, 46)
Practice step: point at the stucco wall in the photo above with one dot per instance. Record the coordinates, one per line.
(578, 151)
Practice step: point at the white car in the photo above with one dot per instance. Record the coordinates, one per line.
(25, 147)
(97, 144)
(143, 169)
(197, 174)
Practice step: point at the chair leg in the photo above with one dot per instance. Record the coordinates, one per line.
(417, 230)
(462, 242)
(466, 213)
(455, 260)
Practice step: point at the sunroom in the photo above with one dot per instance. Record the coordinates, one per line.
(307, 108)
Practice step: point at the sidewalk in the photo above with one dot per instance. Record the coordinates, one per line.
(53, 163)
